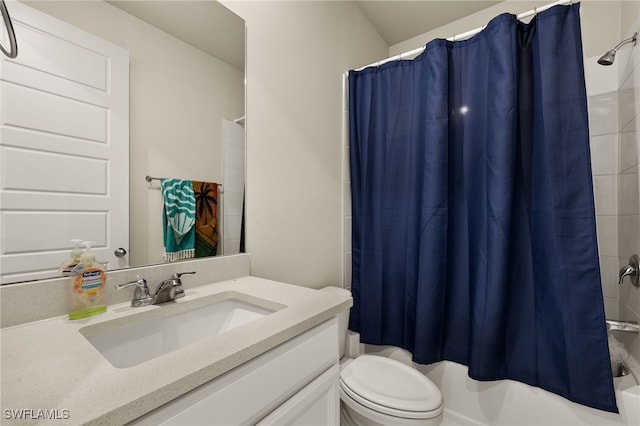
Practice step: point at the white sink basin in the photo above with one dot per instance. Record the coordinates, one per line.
(135, 343)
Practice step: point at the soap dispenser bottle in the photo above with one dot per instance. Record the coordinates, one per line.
(68, 265)
(88, 279)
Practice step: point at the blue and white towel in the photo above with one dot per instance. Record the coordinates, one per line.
(178, 219)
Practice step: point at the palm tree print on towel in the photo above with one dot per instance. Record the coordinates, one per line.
(206, 213)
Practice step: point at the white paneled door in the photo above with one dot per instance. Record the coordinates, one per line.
(64, 147)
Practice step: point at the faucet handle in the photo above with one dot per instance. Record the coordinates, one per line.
(141, 296)
(631, 271)
(177, 275)
(140, 282)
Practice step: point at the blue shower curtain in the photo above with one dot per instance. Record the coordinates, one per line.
(474, 234)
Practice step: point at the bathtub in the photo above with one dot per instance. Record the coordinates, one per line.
(511, 403)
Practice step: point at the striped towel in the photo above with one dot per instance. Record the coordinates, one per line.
(178, 219)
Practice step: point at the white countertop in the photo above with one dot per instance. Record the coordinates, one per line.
(50, 365)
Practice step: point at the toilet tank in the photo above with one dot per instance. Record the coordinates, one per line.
(343, 317)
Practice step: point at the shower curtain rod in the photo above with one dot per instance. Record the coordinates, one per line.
(465, 35)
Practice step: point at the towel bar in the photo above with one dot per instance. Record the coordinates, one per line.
(151, 178)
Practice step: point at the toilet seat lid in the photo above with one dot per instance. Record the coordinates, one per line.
(390, 383)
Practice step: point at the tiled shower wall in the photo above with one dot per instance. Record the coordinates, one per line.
(629, 180)
(614, 121)
(602, 89)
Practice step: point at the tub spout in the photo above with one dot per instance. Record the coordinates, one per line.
(628, 326)
(620, 369)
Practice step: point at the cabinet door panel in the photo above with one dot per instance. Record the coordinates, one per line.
(318, 404)
(250, 392)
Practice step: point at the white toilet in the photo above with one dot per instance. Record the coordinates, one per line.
(375, 390)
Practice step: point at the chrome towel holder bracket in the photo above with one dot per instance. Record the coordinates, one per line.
(13, 45)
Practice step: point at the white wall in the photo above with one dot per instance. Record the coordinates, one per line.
(178, 98)
(234, 185)
(629, 13)
(297, 53)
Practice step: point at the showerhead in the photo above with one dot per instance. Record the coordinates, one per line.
(610, 56)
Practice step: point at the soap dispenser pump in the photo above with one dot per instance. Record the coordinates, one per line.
(74, 258)
(87, 257)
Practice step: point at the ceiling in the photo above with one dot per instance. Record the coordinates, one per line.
(211, 27)
(399, 20)
(206, 25)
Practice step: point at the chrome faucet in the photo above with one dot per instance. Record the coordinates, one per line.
(168, 290)
(141, 296)
(631, 271)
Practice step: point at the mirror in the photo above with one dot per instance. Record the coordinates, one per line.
(186, 120)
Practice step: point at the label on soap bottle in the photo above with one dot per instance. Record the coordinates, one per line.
(87, 298)
(90, 283)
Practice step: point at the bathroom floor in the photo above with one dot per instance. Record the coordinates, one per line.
(447, 421)
(452, 419)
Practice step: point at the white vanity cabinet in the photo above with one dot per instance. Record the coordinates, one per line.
(294, 383)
